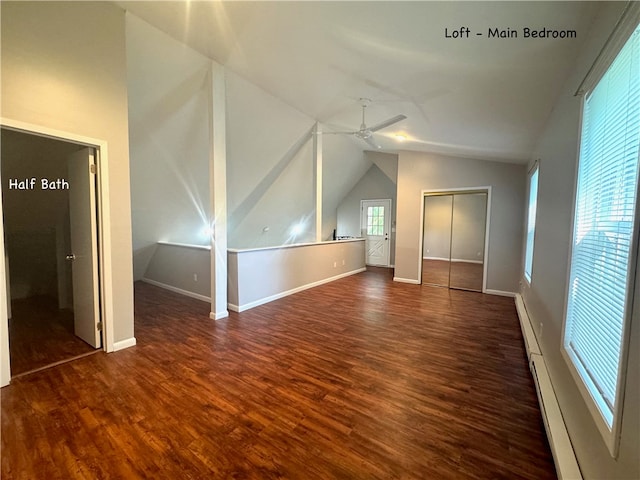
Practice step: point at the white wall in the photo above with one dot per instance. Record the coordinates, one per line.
(545, 298)
(269, 155)
(259, 276)
(169, 141)
(269, 168)
(423, 171)
(344, 165)
(387, 162)
(181, 268)
(64, 68)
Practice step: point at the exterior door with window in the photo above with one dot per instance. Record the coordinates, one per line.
(376, 226)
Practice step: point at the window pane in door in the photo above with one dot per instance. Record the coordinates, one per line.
(375, 221)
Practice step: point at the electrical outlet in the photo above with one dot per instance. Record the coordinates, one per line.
(343, 262)
(335, 264)
(195, 277)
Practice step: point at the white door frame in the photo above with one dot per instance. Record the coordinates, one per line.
(104, 239)
(387, 219)
(444, 191)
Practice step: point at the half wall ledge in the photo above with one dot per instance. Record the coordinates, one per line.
(261, 275)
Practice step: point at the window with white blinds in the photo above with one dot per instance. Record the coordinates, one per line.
(601, 276)
(531, 223)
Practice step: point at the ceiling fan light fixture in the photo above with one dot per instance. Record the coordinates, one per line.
(365, 132)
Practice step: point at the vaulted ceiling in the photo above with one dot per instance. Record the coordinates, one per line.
(471, 96)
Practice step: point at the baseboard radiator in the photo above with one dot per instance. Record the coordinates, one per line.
(563, 455)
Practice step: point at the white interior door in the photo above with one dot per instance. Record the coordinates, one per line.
(84, 251)
(375, 224)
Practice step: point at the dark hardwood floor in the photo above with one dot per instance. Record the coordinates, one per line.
(362, 378)
(40, 334)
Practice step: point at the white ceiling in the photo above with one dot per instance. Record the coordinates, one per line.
(475, 97)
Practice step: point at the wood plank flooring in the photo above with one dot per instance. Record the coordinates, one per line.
(40, 334)
(362, 378)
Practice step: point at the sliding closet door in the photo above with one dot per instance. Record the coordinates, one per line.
(436, 252)
(469, 216)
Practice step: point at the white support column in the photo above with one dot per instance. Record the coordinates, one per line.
(317, 178)
(218, 192)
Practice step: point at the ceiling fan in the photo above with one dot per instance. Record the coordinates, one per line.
(366, 133)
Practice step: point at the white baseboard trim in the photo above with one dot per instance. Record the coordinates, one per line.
(177, 290)
(262, 301)
(406, 280)
(219, 315)
(122, 344)
(500, 293)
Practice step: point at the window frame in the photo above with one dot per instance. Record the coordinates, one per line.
(534, 170)
(610, 435)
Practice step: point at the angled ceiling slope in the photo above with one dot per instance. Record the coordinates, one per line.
(471, 95)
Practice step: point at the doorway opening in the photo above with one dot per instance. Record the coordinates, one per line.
(51, 251)
(455, 239)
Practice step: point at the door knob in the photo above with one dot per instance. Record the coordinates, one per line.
(71, 257)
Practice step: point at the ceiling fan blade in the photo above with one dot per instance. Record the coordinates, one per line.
(371, 142)
(337, 133)
(386, 123)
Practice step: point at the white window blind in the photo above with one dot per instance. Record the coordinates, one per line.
(603, 228)
(531, 223)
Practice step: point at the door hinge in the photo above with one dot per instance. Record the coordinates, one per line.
(92, 168)
(99, 326)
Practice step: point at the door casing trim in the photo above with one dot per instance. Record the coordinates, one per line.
(105, 270)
